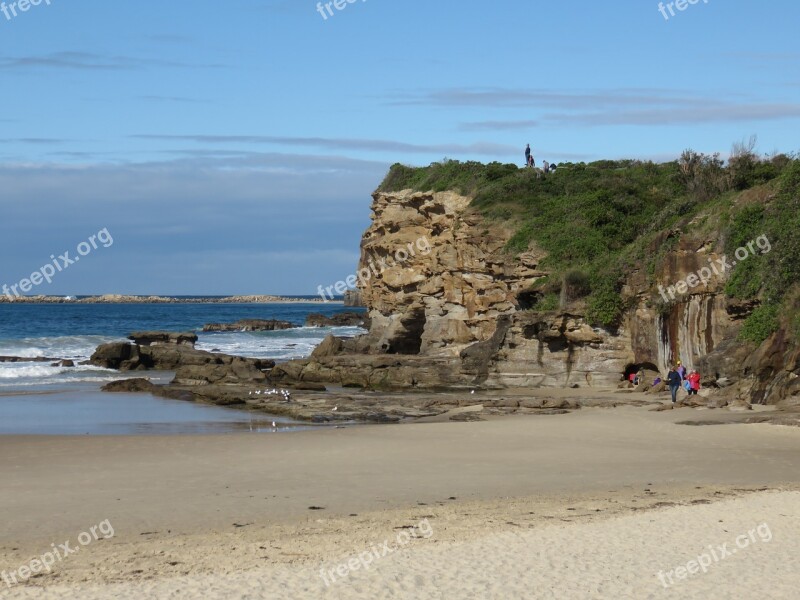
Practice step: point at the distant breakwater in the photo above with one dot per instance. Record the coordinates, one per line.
(126, 299)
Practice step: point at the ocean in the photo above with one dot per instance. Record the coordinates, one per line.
(38, 398)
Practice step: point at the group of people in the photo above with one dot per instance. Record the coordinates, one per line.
(678, 377)
(531, 162)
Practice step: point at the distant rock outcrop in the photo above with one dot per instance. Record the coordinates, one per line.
(250, 325)
(127, 299)
(343, 319)
(154, 338)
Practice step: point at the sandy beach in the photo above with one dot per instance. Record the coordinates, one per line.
(592, 504)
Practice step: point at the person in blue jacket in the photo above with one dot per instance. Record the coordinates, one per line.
(674, 382)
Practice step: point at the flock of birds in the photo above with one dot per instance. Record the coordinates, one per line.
(287, 395)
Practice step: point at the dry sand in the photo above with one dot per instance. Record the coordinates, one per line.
(591, 504)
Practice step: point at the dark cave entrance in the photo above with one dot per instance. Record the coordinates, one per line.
(636, 367)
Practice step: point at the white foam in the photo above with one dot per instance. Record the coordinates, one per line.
(79, 347)
(279, 345)
(19, 370)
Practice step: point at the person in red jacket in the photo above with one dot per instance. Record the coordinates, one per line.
(694, 382)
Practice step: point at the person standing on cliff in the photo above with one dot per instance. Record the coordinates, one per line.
(674, 382)
(528, 155)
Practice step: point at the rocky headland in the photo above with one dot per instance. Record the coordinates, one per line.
(514, 308)
(479, 310)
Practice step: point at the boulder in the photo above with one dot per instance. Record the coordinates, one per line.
(130, 385)
(114, 354)
(330, 346)
(64, 363)
(238, 371)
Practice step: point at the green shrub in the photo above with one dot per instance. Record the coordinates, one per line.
(761, 323)
(605, 307)
(442, 176)
(775, 271)
(577, 285)
(548, 303)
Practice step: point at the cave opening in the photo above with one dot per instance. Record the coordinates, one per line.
(633, 368)
(408, 340)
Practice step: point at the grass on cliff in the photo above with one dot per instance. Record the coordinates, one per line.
(598, 222)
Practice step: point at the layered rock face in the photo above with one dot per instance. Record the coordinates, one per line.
(435, 277)
(463, 297)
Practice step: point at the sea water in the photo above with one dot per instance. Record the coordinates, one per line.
(38, 398)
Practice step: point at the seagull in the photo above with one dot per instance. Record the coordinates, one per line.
(472, 392)
(334, 409)
(273, 424)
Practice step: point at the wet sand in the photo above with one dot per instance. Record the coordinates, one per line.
(238, 506)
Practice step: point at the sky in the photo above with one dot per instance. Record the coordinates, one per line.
(233, 147)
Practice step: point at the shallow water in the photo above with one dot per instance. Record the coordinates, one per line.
(87, 411)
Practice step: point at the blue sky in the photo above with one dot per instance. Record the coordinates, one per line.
(232, 147)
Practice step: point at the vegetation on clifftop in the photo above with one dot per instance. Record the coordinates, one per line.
(598, 222)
